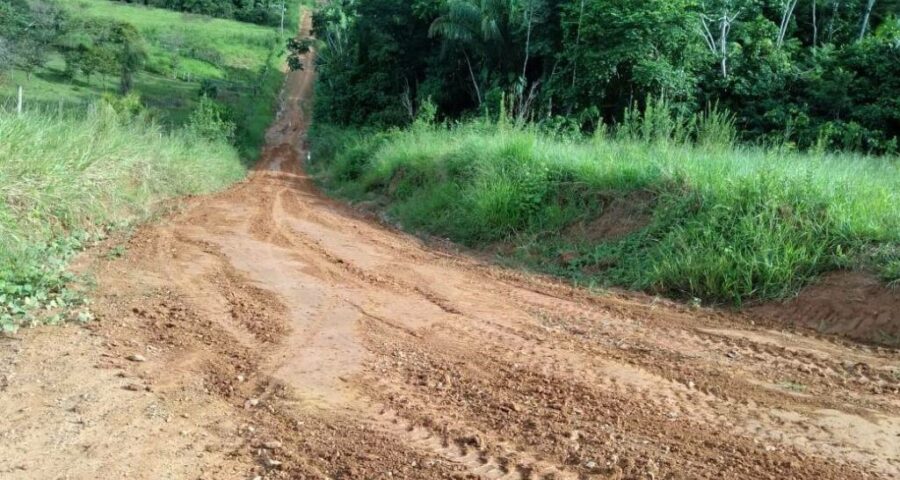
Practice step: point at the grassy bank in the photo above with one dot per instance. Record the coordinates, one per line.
(707, 220)
(65, 181)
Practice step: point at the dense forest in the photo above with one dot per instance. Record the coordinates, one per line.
(810, 73)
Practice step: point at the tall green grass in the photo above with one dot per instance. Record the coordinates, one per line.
(65, 180)
(728, 223)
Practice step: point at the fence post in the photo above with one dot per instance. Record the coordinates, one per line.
(19, 102)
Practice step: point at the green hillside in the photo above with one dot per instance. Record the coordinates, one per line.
(240, 63)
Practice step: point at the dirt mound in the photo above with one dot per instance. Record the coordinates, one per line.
(852, 304)
(621, 216)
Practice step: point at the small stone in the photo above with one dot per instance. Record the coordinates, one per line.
(731, 354)
(137, 358)
(251, 403)
(240, 378)
(270, 463)
(272, 445)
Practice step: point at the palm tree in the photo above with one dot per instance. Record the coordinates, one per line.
(476, 25)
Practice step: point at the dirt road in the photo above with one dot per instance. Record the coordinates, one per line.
(269, 332)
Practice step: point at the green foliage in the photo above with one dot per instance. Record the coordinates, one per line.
(35, 284)
(127, 107)
(28, 32)
(786, 76)
(64, 181)
(724, 223)
(263, 12)
(167, 58)
(99, 46)
(208, 121)
(297, 48)
(620, 51)
(84, 159)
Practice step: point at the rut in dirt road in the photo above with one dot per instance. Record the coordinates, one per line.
(340, 348)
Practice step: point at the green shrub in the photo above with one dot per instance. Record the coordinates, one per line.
(208, 120)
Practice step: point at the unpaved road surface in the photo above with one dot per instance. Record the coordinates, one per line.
(269, 332)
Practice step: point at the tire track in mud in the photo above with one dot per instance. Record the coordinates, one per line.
(267, 228)
(673, 403)
(866, 374)
(495, 461)
(741, 416)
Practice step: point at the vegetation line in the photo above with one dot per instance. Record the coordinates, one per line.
(639, 208)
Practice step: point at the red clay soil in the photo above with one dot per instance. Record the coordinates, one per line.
(621, 216)
(268, 332)
(850, 304)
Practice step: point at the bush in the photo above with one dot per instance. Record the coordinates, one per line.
(208, 121)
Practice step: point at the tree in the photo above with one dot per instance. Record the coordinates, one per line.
(784, 70)
(474, 25)
(6, 56)
(30, 31)
(787, 12)
(815, 22)
(719, 22)
(100, 46)
(130, 53)
(637, 48)
(870, 4)
(297, 48)
(532, 13)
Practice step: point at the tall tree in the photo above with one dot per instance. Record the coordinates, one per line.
(870, 4)
(787, 13)
(475, 25)
(30, 31)
(131, 54)
(716, 27)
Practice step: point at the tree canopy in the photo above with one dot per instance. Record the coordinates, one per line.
(28, 32)
(810, 72)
